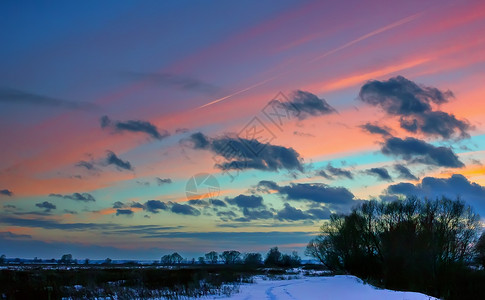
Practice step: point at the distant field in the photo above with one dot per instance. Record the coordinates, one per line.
(129, 281)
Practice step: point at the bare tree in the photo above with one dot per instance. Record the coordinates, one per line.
(230, 256)
(212, 257)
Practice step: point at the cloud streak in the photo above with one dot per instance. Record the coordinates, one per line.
(13, 96)
(83, 197)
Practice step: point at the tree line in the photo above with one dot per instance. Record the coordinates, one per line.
(274, 258)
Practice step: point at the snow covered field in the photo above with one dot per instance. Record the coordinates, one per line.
(308, 288)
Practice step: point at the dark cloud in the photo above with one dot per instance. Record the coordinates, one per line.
(184, 209)
(6, 192)
(154, 206)
(239, 153)
(182, 82)
(199, 141)
(161, 181)
(85, 164)
(19, 97)
(226, 214)
(198, 202)
(124, 212)
(291, 213)
(118, 204)
(319, 213)
(376, 129)
(403, 188)
(245, 201)
(324, 174)
(136, 205)
(404, 172)
(339, 172)
(134, 126)
(255, 214)
(267, 185)
(317, 192)
(10, 235)
(47, 206)
(71, 212)
(401, 97)
(436, 123)
(338, 198)
(112, 159)
(84, 197)
(308, 104)
(416, 150)
(381, 173)
(217, 202)
(456, 185)
(9, 206)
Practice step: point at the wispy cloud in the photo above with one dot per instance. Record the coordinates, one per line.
(13, 96)
(182, 82)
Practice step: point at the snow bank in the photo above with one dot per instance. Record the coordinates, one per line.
(308, 288)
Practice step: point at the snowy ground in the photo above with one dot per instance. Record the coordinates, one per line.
(308, 288)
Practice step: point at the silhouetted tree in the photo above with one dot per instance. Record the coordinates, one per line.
(166, 259)
(3, 259)
(480, 249)
(212, 257)
(401, 243)
(292, 260)
(230, 256)
(66, 259)
(273, 257)
(176, 258)
(171, 259)
(107, 261)
(86, 261)
(201, 260)
(253, 259)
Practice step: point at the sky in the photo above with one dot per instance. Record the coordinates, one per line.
(135, 129)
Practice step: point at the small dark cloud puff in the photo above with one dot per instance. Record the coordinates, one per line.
(404, 172)
(307, 105)
(47, 206)
(134, 126)
(113, 159)
(6, 192)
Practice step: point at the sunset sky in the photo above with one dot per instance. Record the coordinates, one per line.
(284, 111)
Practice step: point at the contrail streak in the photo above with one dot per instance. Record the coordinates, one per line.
(368, 35)
(238, 92)
(359, 39)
